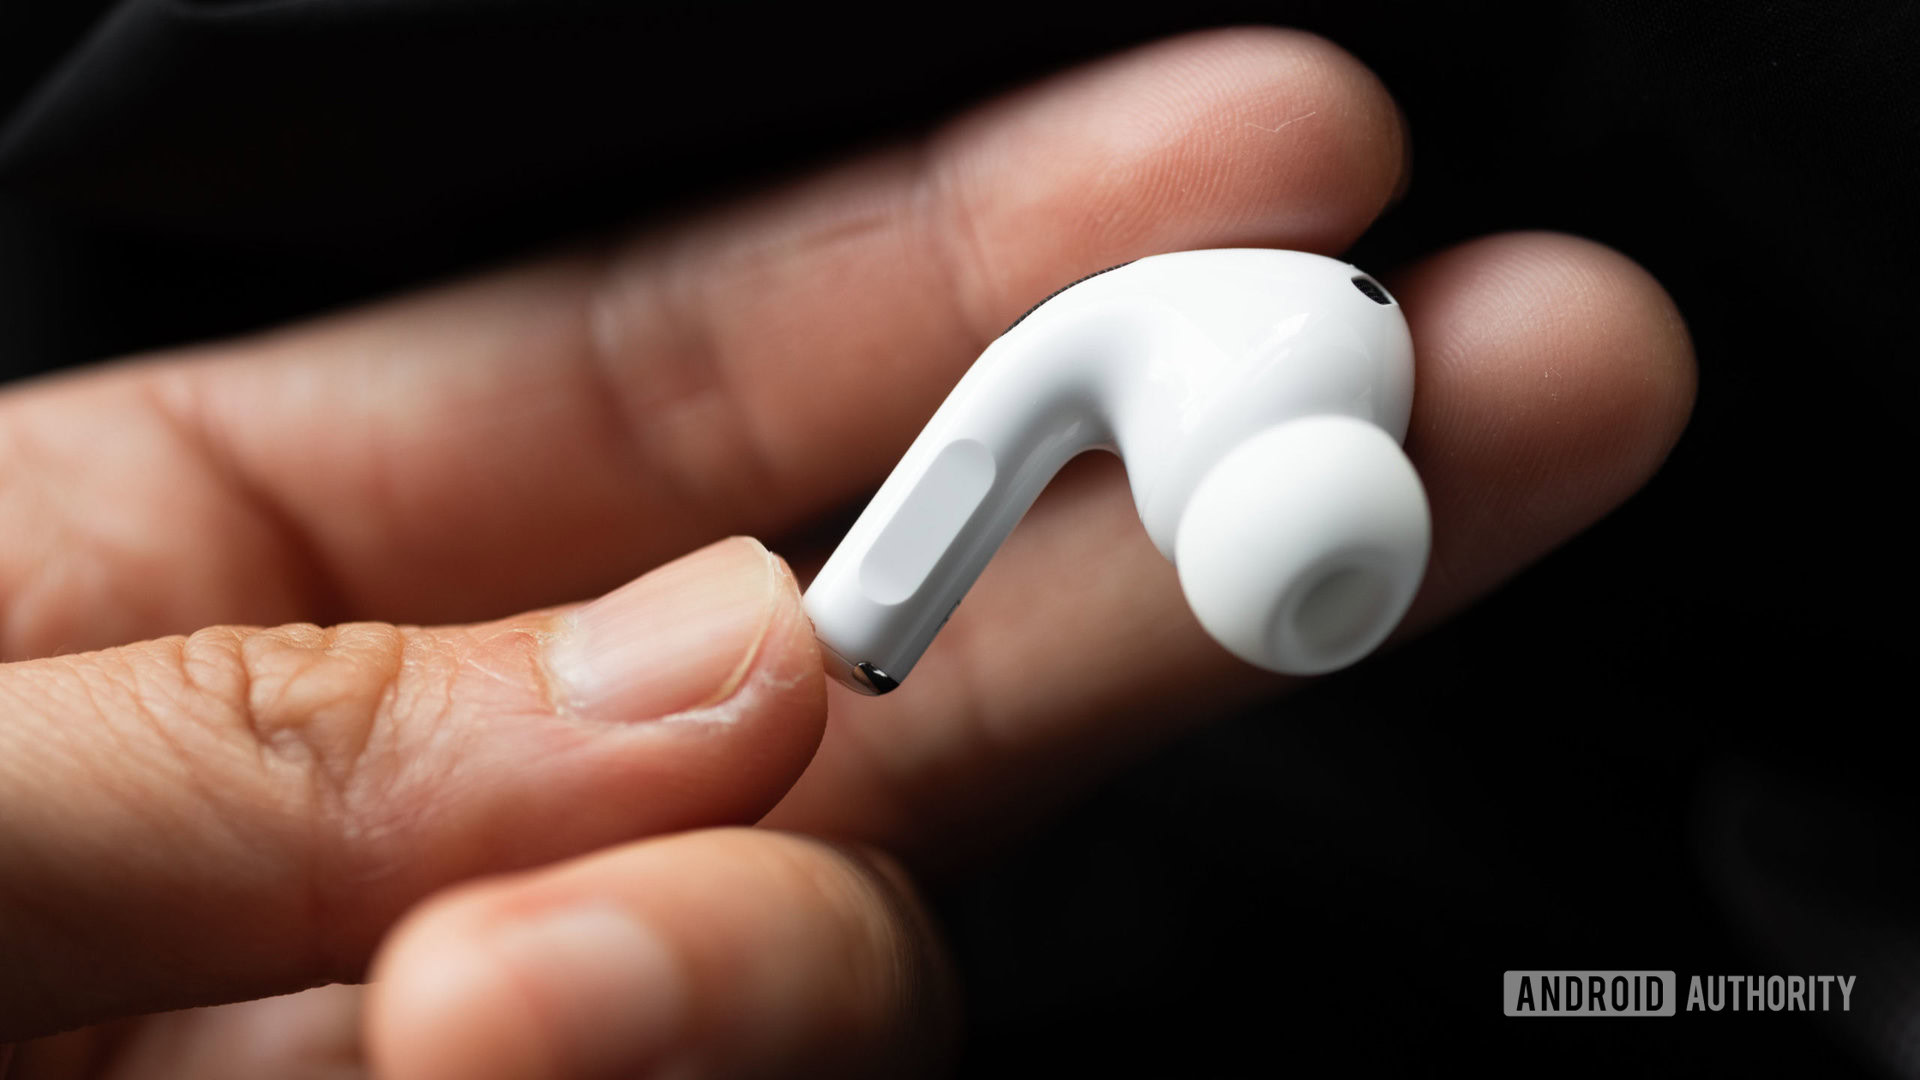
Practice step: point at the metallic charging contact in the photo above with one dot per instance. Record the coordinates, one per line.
(856, 675)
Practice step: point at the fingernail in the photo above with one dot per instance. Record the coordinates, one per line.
(678, 638)
(609, 990)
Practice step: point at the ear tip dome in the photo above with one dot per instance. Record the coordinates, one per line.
(1302, 548)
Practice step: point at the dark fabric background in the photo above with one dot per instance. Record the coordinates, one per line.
(1678, 743)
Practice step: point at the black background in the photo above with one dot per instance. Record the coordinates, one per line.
(1678, 743)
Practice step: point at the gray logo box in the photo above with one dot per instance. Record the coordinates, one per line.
(1590, 993)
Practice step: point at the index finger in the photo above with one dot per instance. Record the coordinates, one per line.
(538, 434)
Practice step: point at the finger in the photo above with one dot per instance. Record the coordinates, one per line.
(312, 1035)
(726, 953)
(1553, 375)
(244, 811)
(535, 435)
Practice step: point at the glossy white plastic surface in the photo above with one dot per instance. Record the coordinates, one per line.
(1302, 548)
(1298, 543)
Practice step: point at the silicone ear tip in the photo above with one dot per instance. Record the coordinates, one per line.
(1301, 550)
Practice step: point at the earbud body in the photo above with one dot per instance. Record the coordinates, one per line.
(1257, 399)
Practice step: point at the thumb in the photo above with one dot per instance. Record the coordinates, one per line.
(244, 812)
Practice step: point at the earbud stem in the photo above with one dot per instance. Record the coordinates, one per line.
(962, 486)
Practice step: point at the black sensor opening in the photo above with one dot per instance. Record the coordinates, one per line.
(1372, 289)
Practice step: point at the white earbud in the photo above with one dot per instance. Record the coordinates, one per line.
(1258, 399)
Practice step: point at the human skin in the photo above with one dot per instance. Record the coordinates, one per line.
(520, 846)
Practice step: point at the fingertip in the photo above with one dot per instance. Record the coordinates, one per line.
(1656, 375)
(477, 986)
(1352, 148)
(1554, 375)
(1227, 137)
(1563, 331)
(730, 952)
(420, 1020)
(714, 648)
(790, 669)
(1356, 146)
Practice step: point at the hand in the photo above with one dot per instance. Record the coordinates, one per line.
(494, 816)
